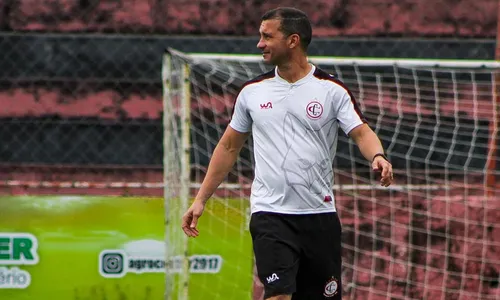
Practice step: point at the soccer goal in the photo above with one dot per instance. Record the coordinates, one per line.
(434, 234)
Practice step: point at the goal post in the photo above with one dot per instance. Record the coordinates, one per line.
(176, 162)
(430, 235)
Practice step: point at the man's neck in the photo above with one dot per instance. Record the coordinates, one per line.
(294, 70)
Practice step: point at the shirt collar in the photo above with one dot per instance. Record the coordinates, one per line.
(298, 82)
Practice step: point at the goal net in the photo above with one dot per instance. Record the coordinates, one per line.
(433, 234)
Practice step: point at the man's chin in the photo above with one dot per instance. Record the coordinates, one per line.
(267, 60)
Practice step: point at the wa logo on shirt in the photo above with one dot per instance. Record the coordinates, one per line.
(267, 105)
(17, 249)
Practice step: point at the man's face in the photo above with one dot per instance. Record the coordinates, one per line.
(272, 43)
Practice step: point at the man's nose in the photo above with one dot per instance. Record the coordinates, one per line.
(261, 44)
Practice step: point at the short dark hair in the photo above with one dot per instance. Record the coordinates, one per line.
(293, 21)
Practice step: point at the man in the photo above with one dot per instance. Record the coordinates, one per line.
(294, 113)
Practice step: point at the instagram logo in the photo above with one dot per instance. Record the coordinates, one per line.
(112, 264)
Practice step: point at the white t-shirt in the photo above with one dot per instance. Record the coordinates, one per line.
(295, 130)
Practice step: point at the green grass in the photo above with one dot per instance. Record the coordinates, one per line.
(71, 232)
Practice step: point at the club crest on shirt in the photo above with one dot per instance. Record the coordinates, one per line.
(331, 288)
(314, 109)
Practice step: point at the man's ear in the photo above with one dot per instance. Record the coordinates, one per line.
(294, 41)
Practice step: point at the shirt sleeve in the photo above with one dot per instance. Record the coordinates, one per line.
(349, 115)
(241, 120)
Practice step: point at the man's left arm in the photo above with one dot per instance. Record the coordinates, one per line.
(371, 148)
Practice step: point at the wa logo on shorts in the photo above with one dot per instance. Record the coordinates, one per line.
(17, 249)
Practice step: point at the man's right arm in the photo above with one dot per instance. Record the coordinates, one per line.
(225, 154)
(223, 158)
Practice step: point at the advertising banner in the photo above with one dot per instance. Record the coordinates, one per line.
(68, 247)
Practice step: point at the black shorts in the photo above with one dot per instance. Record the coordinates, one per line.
(298, 255)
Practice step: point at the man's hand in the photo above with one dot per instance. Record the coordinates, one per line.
(381, 165)
(190, 218)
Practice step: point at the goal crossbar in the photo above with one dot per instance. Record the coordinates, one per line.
(352, 61)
